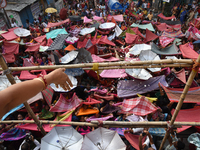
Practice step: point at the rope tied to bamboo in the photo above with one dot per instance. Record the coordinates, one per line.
(196, 66)
(169, 127)
(96, 68)
(100, 123)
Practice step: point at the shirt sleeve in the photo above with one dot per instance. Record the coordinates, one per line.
(37, 145)
(153, 146)
(22, 144)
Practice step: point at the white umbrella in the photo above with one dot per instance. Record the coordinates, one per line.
(139, 73)
(107, 25)
(137, 48)
(62, 138)
(103, 139)
(69, 57)
(22, 32)
(87, 31)
(60, 89)
(149, 55)
(4, 82)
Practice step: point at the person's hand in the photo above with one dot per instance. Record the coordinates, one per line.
(58, 77)
(144, 145)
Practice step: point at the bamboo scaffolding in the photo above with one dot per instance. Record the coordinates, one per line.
(28, 108)
(122, 124)
(180, 102)
(120, 65)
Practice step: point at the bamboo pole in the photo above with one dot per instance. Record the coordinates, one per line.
(180, 102)
(12, 81)
(104, 66)
(122, 124)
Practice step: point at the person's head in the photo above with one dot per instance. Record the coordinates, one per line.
(25, 146)
(179, 145)
(19, 117)
(27, 21)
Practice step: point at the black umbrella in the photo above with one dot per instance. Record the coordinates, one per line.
(58, 42)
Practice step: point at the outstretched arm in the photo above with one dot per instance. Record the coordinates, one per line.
(21, 92)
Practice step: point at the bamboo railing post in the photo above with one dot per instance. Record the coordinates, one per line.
(182, 97)
(12, 81)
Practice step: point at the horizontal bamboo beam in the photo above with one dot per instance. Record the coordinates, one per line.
(101, 67)
(120, 124)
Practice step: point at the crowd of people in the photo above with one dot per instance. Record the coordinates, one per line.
(96, 97)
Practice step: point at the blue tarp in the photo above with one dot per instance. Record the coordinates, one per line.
(53, 34)
(114, 5)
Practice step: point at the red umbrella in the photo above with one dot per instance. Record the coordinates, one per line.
(63, 14)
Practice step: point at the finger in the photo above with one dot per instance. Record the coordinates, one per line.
(63, 69)
(67, 86)
(69, 81)
(63, 86)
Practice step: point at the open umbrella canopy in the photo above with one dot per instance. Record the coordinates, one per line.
(22, 32)
(50, 10)
(84, 56)
(103, 139)
(62, 138)
(63, 13)
(149, 55)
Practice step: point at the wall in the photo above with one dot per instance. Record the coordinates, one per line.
(26, 14)
(35, 9)
(15, 15)
(3, 25)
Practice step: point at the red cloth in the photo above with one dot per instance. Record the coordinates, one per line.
(48, 94)
(33, 47)
(10, 58)
(26, 75)
(64, 104)
(93, 49)
(164, 41)
(136, 30)
(82, 44)
(10, 35)
(40, 38)
(12, 29)
(94, 39)
(166, 18)
(107, 97)
(46, 127)
(174, 94)
(104, 40)
(113, 20)
(116, 17)
(130, 38)
(140, 106)
(150, 36)
(187, 115)
(91, 101)
(49, 42)
(44, 43)
(162, 27)
(11, 47)
(134, 140)
(188, 52)
(50, 25)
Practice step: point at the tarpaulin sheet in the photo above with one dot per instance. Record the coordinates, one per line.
(188, 52)
(130, 88)
(119, 18)
(166, 18)
(11, 48)
(173, 34)
(115, 73)
(64, 104)
(164, 41)
(150, 36)
(50, 25)
(174, 94)
(170, 50)
(144, 26)
(187, 115)
(58, 42)
(130, 38)
(140, 106)
(9, 35)
(53, 34)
